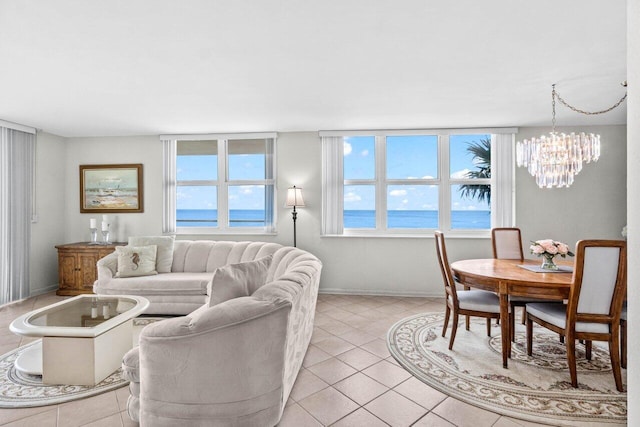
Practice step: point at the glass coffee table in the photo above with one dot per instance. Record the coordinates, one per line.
(83, 338)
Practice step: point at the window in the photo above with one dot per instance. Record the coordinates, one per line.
(413, 182)
(219, 183)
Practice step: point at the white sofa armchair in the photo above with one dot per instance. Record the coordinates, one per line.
(232, 364)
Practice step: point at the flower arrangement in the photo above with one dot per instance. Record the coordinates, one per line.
(548, 249)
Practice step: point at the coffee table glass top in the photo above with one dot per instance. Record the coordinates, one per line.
(81, 316)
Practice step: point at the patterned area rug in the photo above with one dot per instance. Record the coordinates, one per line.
(532, 388)
(19, 390)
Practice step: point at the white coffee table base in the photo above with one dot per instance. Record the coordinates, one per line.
(77, 361)
(79, 346)
(30, 360)
(85, 361)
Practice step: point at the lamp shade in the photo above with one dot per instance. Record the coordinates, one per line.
(294, 197)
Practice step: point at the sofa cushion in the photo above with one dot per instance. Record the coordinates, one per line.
(161, 284)
(164, 255)
(238, 280)
(136, 260)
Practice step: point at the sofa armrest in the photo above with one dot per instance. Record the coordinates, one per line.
(107, 268)
(228, 359)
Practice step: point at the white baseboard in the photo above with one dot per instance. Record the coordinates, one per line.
(43, 291)
(369, 292)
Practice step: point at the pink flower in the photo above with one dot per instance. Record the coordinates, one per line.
(562, 248)
(537, 249)
(548, 246)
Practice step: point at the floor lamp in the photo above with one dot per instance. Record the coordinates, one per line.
(294, 199)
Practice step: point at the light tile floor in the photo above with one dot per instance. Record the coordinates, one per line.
(348, 377)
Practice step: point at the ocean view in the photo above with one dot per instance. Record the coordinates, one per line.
(469, 219)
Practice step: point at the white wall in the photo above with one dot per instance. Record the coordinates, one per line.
(593, 207)
(51, 204)
(633, 200)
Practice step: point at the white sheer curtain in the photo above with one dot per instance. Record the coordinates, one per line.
(169, 186)
(332, 185)
(503, 179)
(17, 150)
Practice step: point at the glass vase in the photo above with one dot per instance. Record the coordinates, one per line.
(547, 262)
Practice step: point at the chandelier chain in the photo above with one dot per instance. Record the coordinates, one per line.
(588, 113)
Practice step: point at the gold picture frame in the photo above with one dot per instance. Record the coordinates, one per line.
(111, 188)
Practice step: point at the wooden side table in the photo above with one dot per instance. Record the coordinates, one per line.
(77, 266)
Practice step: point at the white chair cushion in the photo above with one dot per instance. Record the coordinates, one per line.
(555, 313)
(478, 300)
(507, 244)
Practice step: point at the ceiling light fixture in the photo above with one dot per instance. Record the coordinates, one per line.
(554, 160)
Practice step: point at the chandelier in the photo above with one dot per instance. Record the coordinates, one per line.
(555, 160)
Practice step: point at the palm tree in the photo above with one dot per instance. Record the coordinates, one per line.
(481, 152)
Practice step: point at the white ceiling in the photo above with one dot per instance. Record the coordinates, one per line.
(138, 67)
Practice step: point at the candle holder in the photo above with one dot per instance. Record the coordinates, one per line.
(105, 236)
(94, 237)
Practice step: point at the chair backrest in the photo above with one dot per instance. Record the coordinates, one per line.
(445, 268)
(507, 243)
(599, 282)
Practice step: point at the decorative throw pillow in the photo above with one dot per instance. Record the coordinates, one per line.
(164, 256)
(238, 280)
(136, 260)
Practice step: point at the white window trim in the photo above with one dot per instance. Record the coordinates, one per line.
(502, 182)
(170, 185)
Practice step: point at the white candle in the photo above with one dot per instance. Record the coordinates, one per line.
(92, 223)
(105, 226)
(105, 218)
(94, 312)
(105, 311)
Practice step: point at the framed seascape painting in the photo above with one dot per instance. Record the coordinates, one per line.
(111, 188)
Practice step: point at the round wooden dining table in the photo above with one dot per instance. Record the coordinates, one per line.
(508, 277)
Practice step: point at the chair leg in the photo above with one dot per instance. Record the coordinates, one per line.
(571, 359)
(587, 348)
(614, 348)
(454, 329)
(447, 313)
(529, 336)
(488, 326)
(623, 343)
(524, 315)
(561, 338)
(467, 323)
(512, 325)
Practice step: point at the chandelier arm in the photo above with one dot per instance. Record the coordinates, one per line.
(589, 113)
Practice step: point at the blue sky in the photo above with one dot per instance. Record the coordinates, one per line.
(407, 157)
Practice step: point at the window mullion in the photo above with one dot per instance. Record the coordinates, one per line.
(223, 187)
(381, 184)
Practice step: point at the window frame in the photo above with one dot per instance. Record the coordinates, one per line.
(502, 182)
(222, 183)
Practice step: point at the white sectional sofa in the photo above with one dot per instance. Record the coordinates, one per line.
(230, 364)
(184, 288)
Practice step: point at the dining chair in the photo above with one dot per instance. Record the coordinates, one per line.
(464, 302)
(507, 244)
(594, 305)
(623, 336)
